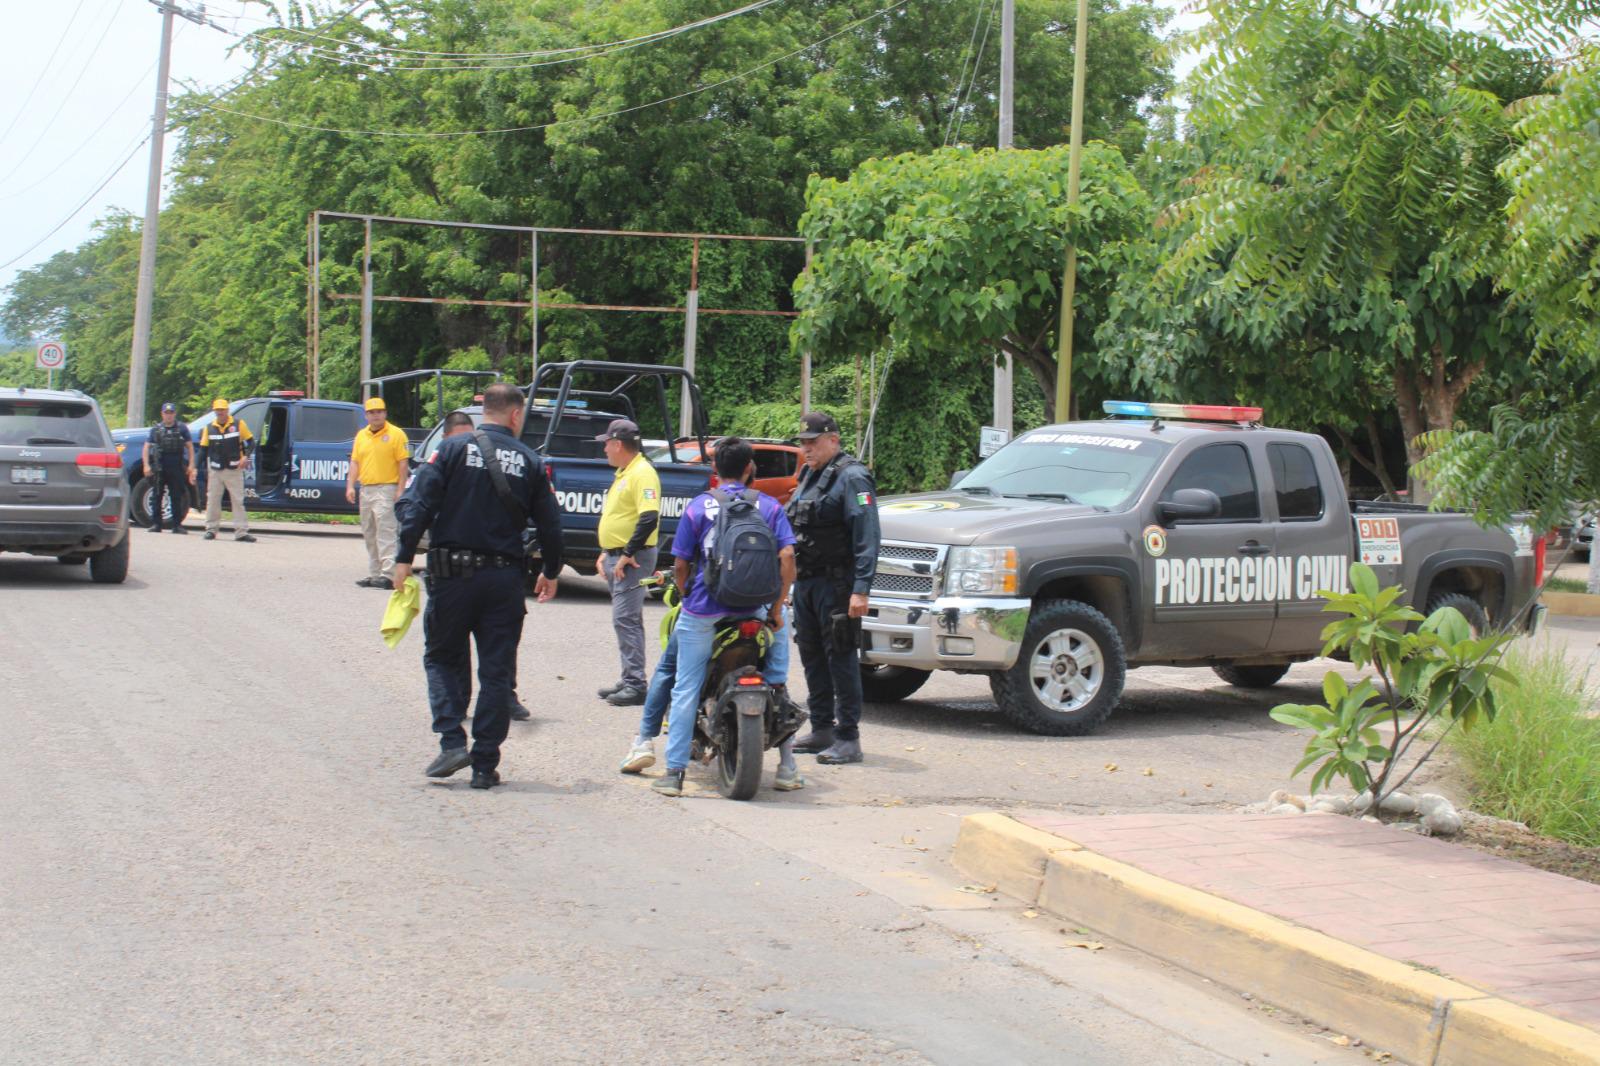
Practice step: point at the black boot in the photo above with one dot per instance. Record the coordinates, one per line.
(819, 739)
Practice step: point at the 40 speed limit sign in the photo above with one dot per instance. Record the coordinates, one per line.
(52, 356)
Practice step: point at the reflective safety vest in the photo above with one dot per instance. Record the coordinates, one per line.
(224, 444)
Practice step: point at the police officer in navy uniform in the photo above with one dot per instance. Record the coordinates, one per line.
(169, 458)
(476, 580)
(834, 512)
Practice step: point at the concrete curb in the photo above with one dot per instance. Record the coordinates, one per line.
(1419, 1016)
(1571, 604)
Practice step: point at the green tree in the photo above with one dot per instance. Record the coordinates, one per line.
(1349, 209)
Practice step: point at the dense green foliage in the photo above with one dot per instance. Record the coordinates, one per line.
(717, 130)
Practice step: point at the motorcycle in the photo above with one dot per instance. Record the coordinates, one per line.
(739, 716)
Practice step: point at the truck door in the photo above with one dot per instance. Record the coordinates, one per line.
(1313, 544)
(1202, 577)
(272, 450)
(319, 458)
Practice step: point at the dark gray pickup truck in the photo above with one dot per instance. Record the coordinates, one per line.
(1079, 551)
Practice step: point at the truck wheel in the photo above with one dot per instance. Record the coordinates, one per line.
(144, 495)
(1470, 609)
(1068, 677)
(891, 684)
(109, 566)
(1251, 676)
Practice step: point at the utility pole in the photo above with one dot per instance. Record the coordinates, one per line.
(1008, 49)
(139, 362)
(1069, 283)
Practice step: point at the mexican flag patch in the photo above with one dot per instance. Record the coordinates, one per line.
(864, 499)
(649, 494)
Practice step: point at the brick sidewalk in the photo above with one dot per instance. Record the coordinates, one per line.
(1523, 934)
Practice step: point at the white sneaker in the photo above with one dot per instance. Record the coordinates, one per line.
(789, 779)
(640, 757)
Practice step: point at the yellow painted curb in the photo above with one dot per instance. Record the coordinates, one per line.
(1492, 1032)
(1001, 851)
(1420, 1016)
(1571, 604)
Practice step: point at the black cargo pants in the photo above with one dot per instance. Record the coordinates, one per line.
(833, 676)
(488, 607)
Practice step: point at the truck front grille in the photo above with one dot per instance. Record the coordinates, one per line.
(911, 570)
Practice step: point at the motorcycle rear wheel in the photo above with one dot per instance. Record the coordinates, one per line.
(739, 760)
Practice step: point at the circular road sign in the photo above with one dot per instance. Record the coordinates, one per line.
(52, 356)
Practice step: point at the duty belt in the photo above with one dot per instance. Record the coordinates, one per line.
(807, 573)
(463, 562)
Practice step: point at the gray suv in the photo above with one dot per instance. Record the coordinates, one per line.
(61, 486)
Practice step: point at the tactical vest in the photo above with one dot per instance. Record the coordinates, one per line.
(167, 441)
(225, 444)
(822, 543)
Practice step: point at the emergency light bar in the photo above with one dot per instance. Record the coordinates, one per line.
(1197, 412)
(287, 394)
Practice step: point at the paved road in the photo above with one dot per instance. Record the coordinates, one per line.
(219, 848)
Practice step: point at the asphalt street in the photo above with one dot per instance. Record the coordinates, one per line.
(218, 846)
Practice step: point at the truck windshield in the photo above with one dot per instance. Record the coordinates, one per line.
(1089, 468)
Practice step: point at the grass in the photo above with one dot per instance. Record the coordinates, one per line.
(1538, 762)
(308, 519)
(1566, 584)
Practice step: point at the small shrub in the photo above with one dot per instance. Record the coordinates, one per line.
(1538, 761)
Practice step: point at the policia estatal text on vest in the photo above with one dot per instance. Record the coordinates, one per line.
(477, 497)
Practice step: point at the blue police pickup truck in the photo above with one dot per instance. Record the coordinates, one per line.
(300, 462)
(569, 405)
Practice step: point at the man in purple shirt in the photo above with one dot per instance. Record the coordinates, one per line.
(695, 632)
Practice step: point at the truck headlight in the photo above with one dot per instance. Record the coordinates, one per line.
(981, 571)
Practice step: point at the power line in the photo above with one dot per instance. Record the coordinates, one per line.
(49, 123)
(380, 60)
(421, 55)
(424, 134)
(987, 26)
(81, 205)
(955, 104)
(48, 64)
(70, 156)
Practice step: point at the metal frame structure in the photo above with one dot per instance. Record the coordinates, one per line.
(691, 309)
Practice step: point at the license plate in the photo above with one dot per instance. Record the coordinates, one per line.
(28, 475)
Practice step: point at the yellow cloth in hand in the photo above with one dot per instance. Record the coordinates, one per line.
(404, 603)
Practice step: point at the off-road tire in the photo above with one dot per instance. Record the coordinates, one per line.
(1260, 676)
(109, 566)
(739, 765)
(1470, 609)
(1019, 692)
(891, 684)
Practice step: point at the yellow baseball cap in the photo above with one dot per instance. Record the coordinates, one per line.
(375, 403)
(219, 404)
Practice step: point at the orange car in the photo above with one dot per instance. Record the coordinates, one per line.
(777, 465)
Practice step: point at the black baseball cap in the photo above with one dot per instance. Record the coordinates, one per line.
(168, 407)
(620, 429)
(814, 424)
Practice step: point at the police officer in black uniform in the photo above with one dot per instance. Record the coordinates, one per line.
(169, 458)
(834, 512)
(477, 496)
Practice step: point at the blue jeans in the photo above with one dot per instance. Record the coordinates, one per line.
(688, 656)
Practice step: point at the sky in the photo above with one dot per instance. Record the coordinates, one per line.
(79, 92)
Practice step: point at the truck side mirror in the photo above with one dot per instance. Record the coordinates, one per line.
(956, 478)
(1189, 504)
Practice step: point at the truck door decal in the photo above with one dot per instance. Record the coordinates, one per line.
(1247, 579)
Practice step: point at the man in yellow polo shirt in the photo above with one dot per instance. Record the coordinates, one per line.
(629, 526)
(379, 463)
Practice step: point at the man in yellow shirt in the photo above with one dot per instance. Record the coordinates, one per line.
(629, 526)
(226, 441)
(379, 463)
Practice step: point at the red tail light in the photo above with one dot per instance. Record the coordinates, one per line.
(100, 464)
(1539, 549)
(751, 681)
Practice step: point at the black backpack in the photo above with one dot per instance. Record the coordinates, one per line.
(741, 569)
